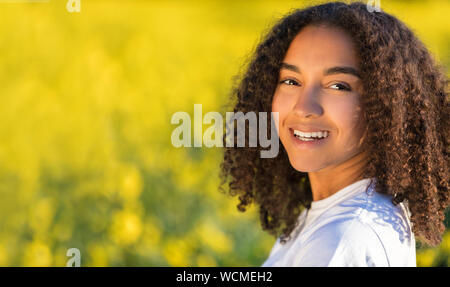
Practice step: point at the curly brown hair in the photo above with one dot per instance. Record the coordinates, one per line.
(405, 105)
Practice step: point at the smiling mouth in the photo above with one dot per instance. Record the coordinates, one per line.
(310, 136)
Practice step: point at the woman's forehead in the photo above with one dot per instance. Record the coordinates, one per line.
(322, 44)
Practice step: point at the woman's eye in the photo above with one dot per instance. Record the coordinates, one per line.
(340, 87)
(289, 82)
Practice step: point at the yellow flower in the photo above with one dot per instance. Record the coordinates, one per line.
(426, 257)
(177, 252)
(214, 238)
(62, 231)
(41, 216)
(152, 233)
(37, 254)
(150, 239)
(126, 227)
(3, 256)
(60, 258)
(204, 260)
(98, 255)
(188, 175)
(131, 183)
(445, 245)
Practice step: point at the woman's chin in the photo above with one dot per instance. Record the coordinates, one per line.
(305, 165)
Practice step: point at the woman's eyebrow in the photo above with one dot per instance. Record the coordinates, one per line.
(327, 72)
(290, 67)
(341, 70)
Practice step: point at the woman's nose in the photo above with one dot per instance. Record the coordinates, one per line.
(308, 103)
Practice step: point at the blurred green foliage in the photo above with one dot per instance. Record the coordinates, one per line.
(85, 154)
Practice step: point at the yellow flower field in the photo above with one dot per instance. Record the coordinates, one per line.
(86, 159)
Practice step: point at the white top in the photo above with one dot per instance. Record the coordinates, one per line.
(349, 228)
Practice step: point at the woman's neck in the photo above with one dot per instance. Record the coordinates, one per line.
(331, 179)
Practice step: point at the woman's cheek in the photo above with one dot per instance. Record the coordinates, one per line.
(346, 117)
(280, 106)
(282, 102)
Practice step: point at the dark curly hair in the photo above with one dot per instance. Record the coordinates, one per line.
(405, 105)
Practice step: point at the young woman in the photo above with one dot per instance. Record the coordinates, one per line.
(363, 118)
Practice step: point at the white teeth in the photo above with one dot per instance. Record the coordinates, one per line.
(307, 135)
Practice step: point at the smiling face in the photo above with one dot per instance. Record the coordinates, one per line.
(317, 99)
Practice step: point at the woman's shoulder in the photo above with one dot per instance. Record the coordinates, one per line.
(380, 214)
(375, 211)
(369, 227)
(385, 223)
